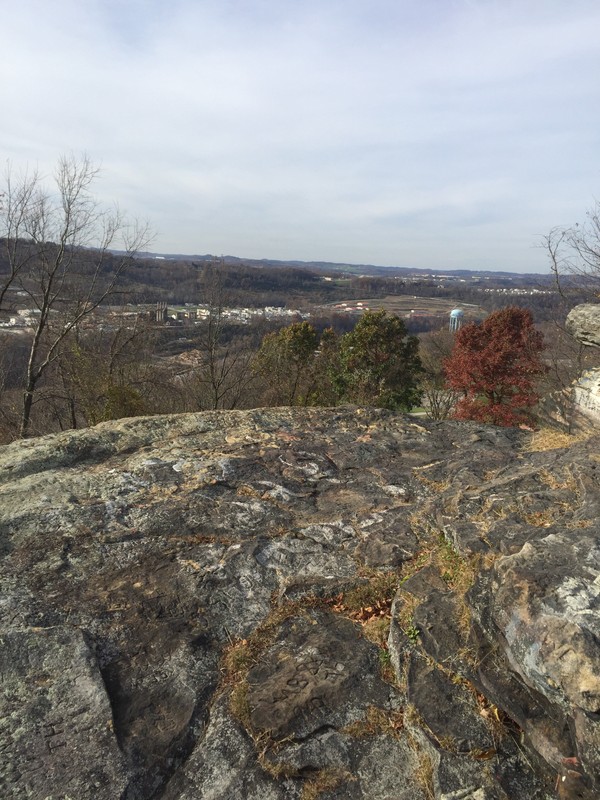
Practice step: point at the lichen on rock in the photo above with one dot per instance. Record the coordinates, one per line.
(289, 604)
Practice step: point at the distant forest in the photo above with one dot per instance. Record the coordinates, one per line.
(179, 281)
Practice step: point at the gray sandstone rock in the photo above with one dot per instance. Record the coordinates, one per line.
(53, 705)
(583, 322)
(577, 407)
(140, 557)
(320, 672)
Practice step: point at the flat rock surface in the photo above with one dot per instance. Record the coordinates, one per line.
(54, 704)
(319, 672)
(298, 603)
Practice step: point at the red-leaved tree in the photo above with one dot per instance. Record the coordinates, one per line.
(495, 365)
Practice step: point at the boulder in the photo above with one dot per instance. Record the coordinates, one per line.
(583, 322)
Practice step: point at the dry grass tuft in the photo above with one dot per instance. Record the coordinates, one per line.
(239, 705)
(386, 669)
(579, 523)
(456, 571)
(376, 721)
(246, 490)
(377, 593)
(376, 630)
(423, 774)
(554, 482)
(540, 519)
(243, 654)
(405, 612)
(325, 780)
(435, 486)
(552, 439)
(275, 769)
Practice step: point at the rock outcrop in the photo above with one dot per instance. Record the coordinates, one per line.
(577, 408)
(583, 322)
(291, 604)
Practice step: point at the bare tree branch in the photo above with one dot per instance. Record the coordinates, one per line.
(59, 246)
(574, 254)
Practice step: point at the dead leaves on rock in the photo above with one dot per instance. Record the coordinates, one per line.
(374, 618)
(380, 609)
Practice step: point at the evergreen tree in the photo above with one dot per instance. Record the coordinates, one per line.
(379, 363)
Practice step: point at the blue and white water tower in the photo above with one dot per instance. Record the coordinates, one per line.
(457, 316)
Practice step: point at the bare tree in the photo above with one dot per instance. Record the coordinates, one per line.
(438, 399)
(574, 258)
(103, 373)
(17, 205)
(574, 255)
(224, 375)
(66, 252)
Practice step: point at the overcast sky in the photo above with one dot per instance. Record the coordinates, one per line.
(425, 133)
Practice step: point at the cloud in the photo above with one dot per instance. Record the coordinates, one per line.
(409, 132)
